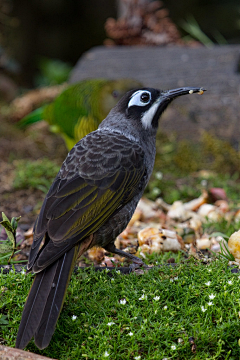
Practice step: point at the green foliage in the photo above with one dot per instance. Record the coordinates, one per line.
(10, 243)
(37, 174)
(192, 27)
(162, 309)
(52, 72)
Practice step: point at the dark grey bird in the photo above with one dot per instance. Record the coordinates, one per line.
(90, 203)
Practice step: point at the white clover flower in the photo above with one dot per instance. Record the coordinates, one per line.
(212, 296)
(210, 303)
(230, 282)
(159, 175)
(74, 317)
(123, 301)
(110, 323)
(203, 309)
(130, 334)
(137, 357)
(106, 354)
(208, 283)
(173, 347)
(165, 307)
(143, 297)
(156, 298)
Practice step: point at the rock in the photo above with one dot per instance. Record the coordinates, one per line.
(8, 353)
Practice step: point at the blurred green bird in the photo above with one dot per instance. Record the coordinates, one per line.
(80, 108)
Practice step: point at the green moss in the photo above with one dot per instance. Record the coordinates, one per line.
(37, 174)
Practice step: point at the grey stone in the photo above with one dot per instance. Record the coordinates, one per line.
(213, 68)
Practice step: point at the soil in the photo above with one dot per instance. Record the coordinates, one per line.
(35, 143)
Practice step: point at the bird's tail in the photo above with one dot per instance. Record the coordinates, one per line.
(45, 301)
(33, 117)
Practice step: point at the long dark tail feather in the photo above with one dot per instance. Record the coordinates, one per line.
(45, 302)
(34, 306)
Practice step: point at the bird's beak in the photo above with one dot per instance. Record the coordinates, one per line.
(171, 94)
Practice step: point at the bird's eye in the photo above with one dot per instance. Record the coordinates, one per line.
(140, 98)
(145, 97)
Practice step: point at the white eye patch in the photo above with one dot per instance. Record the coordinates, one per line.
(140, 98)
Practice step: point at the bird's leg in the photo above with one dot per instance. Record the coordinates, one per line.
(137, 262)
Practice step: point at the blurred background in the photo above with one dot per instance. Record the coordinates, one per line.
(41, 42)
(33, 32)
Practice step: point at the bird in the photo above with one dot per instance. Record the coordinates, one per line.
(90, 203)
(80, 108)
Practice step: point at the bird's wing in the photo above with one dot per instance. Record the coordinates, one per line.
(101, 174)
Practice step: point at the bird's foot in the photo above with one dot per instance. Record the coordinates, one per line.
(137, 265)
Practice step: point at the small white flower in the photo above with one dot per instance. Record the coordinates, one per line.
(106, 354)
(155, 312)
(211, 297)
(135, 317)
(118, 271)
(112, 279)
(208, 283)
(74, 317)
(130, 334)
(143, 297)
(230, 282)
(165, 307)
(176, 278)
(159, 175)
(209, 270)
(173, 347)
(110, 323)
(23, 272)
(123, 301)
(210, 303)
(203, 309)
(156, 298)
(137, 357)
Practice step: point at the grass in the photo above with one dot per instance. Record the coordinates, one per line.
(161, 310)
(38, 174)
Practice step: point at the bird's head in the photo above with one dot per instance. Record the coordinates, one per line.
(143, 107)
(138, 111)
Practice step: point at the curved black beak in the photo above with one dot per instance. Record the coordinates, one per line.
(171, 94)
